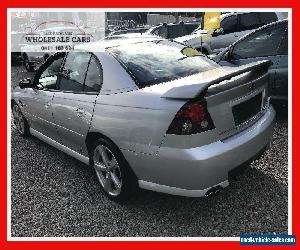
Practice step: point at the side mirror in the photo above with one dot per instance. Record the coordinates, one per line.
(25, 83)
(228, 55)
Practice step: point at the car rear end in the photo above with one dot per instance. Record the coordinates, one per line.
(219, 128)
(227, 125)
(214, 121)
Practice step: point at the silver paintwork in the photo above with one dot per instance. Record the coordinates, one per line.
(199, 168)
(179, 191)
(136, 120)
(59, 146)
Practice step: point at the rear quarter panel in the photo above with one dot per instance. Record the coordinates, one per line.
(135, 120)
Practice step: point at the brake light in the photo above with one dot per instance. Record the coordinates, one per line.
(192, 118)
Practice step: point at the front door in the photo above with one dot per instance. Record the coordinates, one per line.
(39, 101)
(74, 102)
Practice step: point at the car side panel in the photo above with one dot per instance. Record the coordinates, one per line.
(36, 106)
(135, 121)
(72, 114)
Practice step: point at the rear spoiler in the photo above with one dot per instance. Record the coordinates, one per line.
(194, 90)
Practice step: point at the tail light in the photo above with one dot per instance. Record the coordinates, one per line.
(192, 118)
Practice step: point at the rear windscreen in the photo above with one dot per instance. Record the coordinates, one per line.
(150, 63)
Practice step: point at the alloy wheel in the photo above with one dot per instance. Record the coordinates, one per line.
(108, 170)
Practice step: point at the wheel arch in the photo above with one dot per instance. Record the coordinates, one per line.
(95, 135)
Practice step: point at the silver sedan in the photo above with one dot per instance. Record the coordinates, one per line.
(149, 114)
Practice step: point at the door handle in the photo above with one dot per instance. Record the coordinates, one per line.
(48, 105)
(79, 111)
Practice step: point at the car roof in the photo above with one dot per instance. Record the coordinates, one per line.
(129, 30)
(174, 24)
(227, 15)
(131, 36)
(234, 13)
(103, 44)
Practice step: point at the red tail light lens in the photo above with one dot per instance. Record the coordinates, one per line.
(192, 118)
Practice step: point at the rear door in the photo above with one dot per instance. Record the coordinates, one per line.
(73, 103)
(161, 31)
(176, 30)
(190, 27)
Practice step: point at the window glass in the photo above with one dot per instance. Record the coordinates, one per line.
(190, 28)
(260, 44)
(155, 32)
(267, 17)
(48, 77)
(229, 24)
(73, 73)
(176, 31)
(249, 21)
(161, 31)
(93, 78)
(150, 63)
(283, 48)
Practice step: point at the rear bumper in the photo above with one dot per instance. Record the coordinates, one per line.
(192, 172)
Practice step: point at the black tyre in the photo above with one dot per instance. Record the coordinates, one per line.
(20, 121)
(116, 178)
